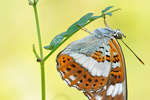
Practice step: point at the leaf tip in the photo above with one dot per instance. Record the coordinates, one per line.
(106, 9)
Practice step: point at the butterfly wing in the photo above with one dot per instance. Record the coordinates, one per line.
(119, 73)
(86, 64)
(116, 87)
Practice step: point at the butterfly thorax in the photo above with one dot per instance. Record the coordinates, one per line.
(108, 33)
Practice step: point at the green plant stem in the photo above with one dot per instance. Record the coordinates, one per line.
(41, 53)
(38, 31)
(42, 80)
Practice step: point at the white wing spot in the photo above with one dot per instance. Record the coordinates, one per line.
(94, 67)
(94, 71)
(120, 89)
(72, 77)
(82, 59)
(99, 73)
(114, 54)
(110, 90)
(115, 65)
(113, 90)
(91, 64)
(98, 97)
(105, 87)
(116, 88)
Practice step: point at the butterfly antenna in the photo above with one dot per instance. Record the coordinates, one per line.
(84, 29)
(133, 52)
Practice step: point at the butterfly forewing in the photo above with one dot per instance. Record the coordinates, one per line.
(119, 72)
(115, 88)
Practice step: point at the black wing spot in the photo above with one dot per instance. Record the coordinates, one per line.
(68, 69)
(84, 76)
(112, 75)
(81, 81)
(79, 71)
(86, 84)
(64, 61)
(107, 56)
(102, 47)
(101, 83)
(96, 80)
(75, 75)
(103, 79)
(89, 80)
(116, 56)
(94, 84)
(73, 65)
(108, 60)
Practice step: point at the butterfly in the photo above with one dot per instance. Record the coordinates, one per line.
(95, 65)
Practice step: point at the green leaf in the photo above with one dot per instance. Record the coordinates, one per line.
(106, 9)
(73, 28)
(109, 13)
(85, 18)
(82, 21)
(55, 42)
(64, 34)
(93, 18)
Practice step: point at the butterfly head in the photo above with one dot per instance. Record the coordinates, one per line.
(107, 32)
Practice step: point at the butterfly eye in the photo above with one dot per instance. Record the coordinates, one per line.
(118, 34)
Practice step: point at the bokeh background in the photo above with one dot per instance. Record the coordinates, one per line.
(19, 71)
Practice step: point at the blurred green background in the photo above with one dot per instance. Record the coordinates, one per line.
(19, 71)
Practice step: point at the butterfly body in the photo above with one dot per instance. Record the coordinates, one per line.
(95, 65)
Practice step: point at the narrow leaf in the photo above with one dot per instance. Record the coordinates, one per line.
(55, 42)
(93, 18)
(82, 21)
(73, 28)
(106, 9)
(64, 34)
(85, 18)
(109, 13)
